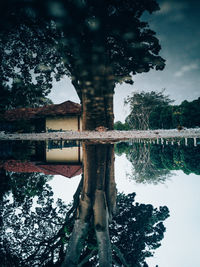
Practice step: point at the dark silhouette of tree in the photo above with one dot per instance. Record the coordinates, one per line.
(100, 44)
(27, 185)
(96, 204)
(121, 126)
(190, 114)
(162, 118)
(37, 231)
(19, 95)
(97, 44)
(22, 185)
(26, 74)
(186, 115)
(136, 230)
(33, 235)
(39, 234)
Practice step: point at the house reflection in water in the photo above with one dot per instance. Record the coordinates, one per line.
(60, 117)
(63, 151)
(51, 157)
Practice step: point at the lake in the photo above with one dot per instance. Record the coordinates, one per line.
(155, 220)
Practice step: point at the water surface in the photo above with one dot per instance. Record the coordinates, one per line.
(156, 206)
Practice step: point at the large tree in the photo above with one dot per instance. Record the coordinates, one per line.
(97, 44)
(101, 44)
(142, 105)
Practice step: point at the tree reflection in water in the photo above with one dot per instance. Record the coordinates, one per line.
(100, 226)
(154, 163)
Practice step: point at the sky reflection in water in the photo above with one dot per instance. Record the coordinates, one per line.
(177, 190)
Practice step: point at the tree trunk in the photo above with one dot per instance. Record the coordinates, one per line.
(110, 185)
(101, 218)
(97, 107)
(98, 196)
(76, 243)
(97, 202)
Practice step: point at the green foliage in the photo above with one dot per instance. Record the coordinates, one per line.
(154, 111)
(27, 185)
(32, 229)
(161, 117)
(142, 106)
(29, 61)
(93, 42)
(137, 229)
(154, 163)
(185, 158)
(122, 147)
(145, 168)
(190, 113)
(23, 185)
(20, 95)
(121, 126)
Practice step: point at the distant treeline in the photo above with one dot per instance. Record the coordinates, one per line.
(187, 114)
(146, 113)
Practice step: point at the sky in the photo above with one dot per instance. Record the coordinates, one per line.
(177, 26)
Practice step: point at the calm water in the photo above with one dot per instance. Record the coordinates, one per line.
(156, 204)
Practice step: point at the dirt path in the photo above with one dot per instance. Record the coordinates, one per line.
(104, 136)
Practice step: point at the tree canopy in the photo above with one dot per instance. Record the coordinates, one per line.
(18, 95)
(28, 63)
(142, 105)
(96, 43)
(137, 230)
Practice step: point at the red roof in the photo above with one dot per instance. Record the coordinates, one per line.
(64, 170)
(66, 108)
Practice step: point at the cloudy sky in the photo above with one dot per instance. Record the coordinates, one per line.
(177, 25)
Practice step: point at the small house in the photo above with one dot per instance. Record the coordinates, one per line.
(55, 117)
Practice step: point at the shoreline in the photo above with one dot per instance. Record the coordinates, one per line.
(113, 135)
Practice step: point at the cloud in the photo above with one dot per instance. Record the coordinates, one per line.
(174, 11)
(168, 6)
(186, 68)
